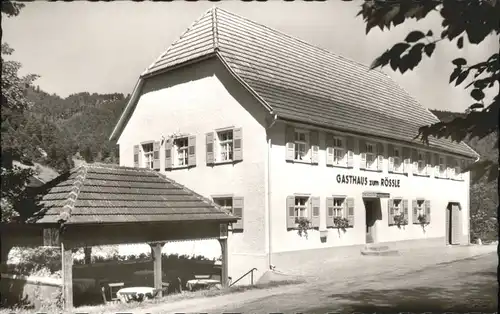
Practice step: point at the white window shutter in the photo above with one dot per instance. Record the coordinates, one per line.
(329, 212)
(238, 212)
(156, 155)
(192, 151)
(391, 163)
(210, 149)
(314, 140)
(362, 163)
(329, 150)
(380, 162)
(427, 205)
(315, 211)
(137, 153)
(290, 212)
(415, 211)
(238, 144)
(350, 211)
(290, 143)
(350, 151)
(168, 154)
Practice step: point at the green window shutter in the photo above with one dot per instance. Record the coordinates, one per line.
(290, 212)
(238, 212)
(238, 144)
(314, 138)
(405, 209)
(415, 211)
(315, 216)
(329, 212)
(290, 143)
(168, 154)
(192, 151)
(350, 211)
(156, 155)
(390, 212)
(137, 153)
(210, 148)
(427, 205)
(329, 149)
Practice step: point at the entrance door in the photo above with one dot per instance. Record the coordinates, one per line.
(370, 220)
(453, 222)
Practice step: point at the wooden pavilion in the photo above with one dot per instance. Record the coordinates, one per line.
(99, 204)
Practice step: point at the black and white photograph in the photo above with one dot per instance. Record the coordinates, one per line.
(232, 156)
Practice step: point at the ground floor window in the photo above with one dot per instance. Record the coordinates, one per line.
(301, 206)
(338, 207)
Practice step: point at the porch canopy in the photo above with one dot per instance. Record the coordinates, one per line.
(99, 204)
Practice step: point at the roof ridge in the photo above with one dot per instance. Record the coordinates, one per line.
(197, 195)
(300, 40)
(69, 205)
(178, 39)
(215, 28)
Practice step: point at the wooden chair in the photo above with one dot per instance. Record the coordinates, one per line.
(113, 287)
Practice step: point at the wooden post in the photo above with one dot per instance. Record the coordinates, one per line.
(88, 255)
(5, 248)
(67, 276)
(156, 255)
(224, 251)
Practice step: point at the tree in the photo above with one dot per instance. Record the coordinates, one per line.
(471, 20)
(14, 142)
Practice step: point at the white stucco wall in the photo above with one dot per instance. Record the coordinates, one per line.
(319, 180)
(197, 100)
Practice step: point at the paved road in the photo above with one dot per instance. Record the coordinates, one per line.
(468, 285)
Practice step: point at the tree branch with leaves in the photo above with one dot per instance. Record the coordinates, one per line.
(471, 20)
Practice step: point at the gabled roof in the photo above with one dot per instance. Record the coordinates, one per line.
(300, 82)
(101, 193)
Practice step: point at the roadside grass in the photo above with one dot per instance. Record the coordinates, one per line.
(133, 306)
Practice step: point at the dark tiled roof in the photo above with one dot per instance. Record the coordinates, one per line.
(301, 82)
(100, 193)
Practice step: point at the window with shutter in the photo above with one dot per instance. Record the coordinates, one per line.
(427, 206)
(192, 151)
(314, 139)
(148, 149)
(406, 160)
(350, 151)
(419, 206)
(350, 211)
(330, 213)
(136, 156)
(238, 212)
(415, 211)
(238, 144)
(370, 156)
(329, 150)
(290, 212)
(290, 143)
(302, 149)
(156, 155)
(315, 211)
(380, 156)
(209, 142)
(168, 154)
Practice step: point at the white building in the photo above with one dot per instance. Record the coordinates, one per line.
(275, 129)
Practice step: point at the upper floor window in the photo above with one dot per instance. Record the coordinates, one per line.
(148, 155)
(181, 151)
(301, 145)
(442, 165)
(339, 152)
(421, 163)
(225, 202)
(371, 156)
(301, 206)
(225, 141)
(398, 163)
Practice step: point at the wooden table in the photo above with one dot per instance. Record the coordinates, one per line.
(136, 294)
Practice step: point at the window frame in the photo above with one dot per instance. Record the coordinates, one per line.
(339, 148)
(399, 158)
(341, 208)
(227, 143)
(442, 165)
(148, 155)
(178, 149)
(421, 160)
(302, 208)
(306, 143)
(373, 154)
(217, 200)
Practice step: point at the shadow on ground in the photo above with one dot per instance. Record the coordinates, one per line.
(481, 296)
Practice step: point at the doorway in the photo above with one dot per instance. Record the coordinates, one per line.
(373, 213)
(453, 223)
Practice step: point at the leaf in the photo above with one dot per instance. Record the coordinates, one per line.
(429, 33)
(398, 49)
(460, 42)
(382, 60)
(429, 49)
(477, 94)
(459, 61)
(414, 36)
(461, 77)
(455, 74)
(476, 106)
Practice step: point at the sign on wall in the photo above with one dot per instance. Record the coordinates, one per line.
(361, 180)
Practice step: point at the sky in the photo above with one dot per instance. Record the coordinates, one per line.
(103, 47)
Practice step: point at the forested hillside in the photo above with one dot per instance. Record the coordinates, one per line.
(78, 125)
(483, 194)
